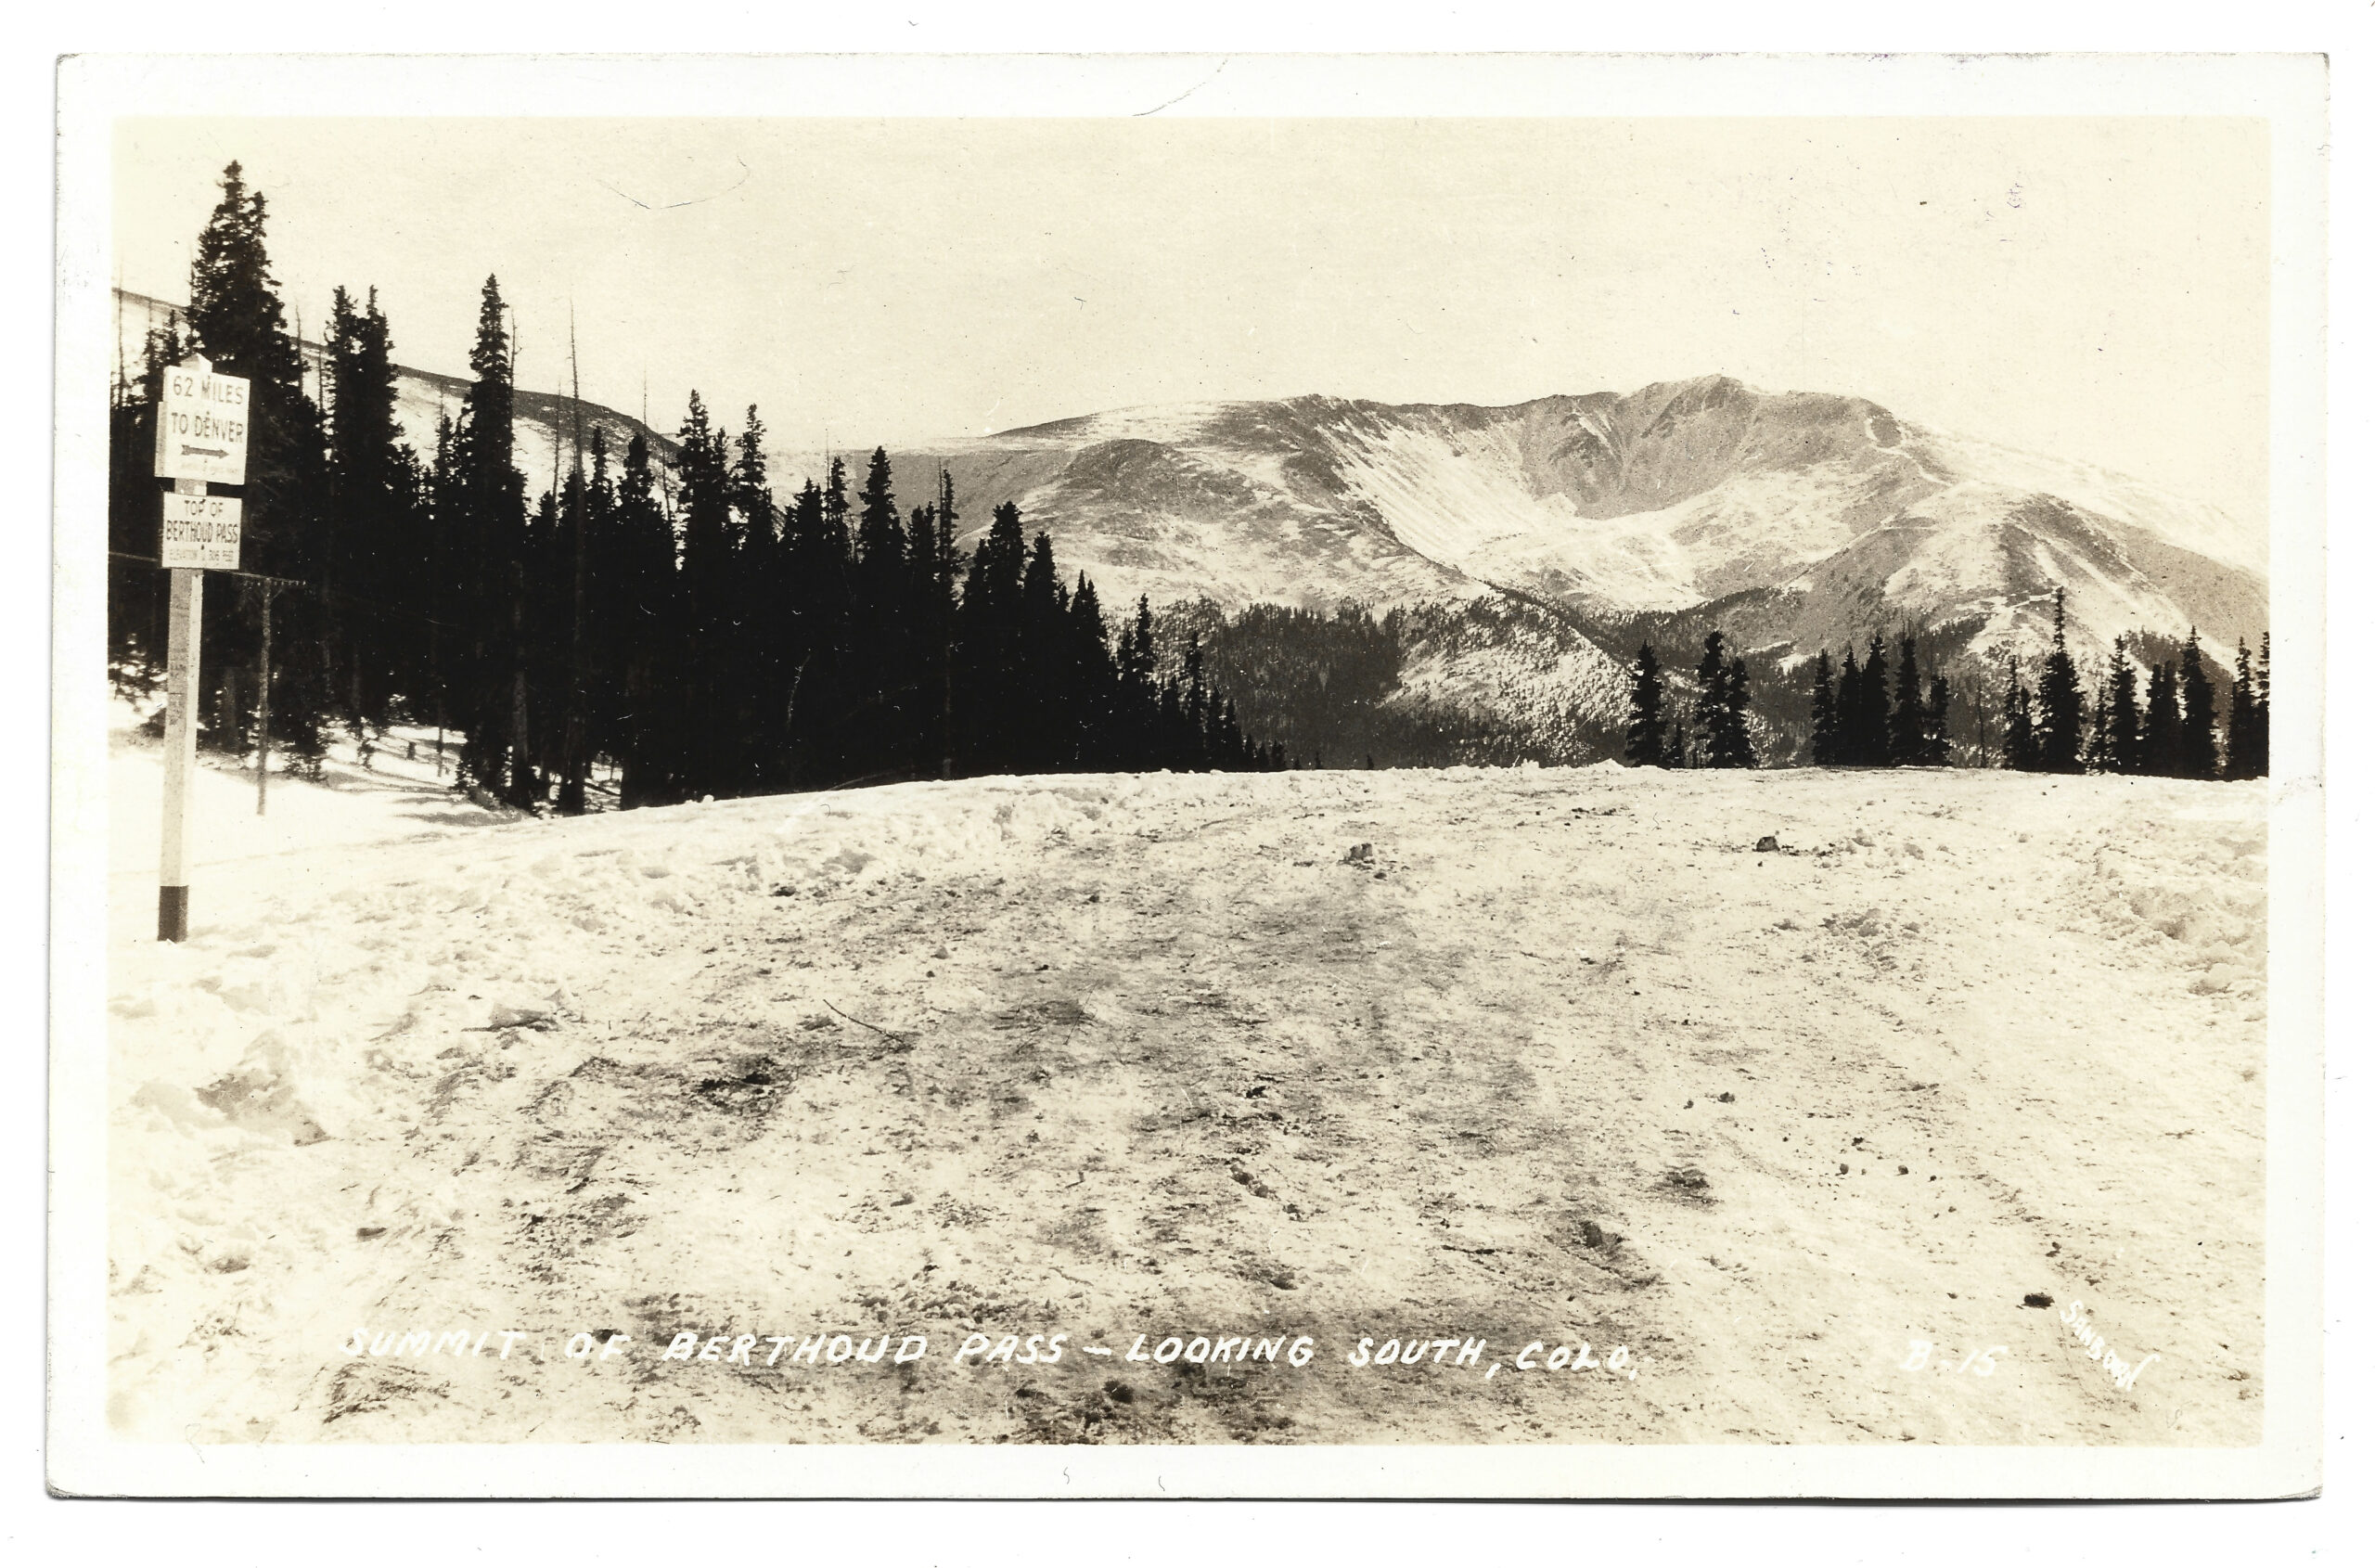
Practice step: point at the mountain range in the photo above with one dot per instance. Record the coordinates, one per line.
(1809, 518)
(1541, 540)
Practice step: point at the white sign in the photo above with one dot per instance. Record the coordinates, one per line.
(200, 531)
(202, 425)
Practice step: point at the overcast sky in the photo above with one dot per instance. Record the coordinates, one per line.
(2095, 290)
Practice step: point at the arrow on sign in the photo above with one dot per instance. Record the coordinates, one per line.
(204, 451)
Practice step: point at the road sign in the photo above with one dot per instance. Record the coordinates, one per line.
(201, 438)
(202, 425)
(200, 531)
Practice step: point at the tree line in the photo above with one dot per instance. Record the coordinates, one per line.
(2172, 732)
(1858, 724)
(1866, 714)
(701, 638)
(1711, 731)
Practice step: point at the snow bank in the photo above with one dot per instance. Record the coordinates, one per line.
(1347, 1051)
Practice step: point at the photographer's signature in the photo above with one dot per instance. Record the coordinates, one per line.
(2082, 1328)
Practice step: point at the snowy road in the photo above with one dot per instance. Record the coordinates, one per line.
(1557, 1056)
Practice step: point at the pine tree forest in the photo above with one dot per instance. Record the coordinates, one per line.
(1895, 707)
(648, 629)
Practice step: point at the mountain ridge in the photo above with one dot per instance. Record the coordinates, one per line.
(1678, 494)
(1806, 519)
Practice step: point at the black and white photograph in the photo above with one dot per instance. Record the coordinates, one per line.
(1158, 768)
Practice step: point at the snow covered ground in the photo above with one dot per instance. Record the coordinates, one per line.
(1509, 1056)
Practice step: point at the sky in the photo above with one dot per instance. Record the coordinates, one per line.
(2095, 290)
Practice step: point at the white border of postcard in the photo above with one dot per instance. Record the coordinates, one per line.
(2289, 91)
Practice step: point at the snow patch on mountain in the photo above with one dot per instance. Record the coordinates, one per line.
(1509, 659)
(2194, 525)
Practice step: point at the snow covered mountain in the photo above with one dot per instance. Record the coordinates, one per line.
(1816, 517)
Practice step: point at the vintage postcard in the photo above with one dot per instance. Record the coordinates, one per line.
(1134, 776)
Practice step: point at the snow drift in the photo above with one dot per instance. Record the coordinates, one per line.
(1519, 1055)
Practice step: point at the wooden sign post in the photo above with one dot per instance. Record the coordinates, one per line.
(181, 749)
(201, 437)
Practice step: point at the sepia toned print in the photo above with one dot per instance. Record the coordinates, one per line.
(1251, 782)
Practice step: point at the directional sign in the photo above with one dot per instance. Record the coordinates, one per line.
(200, 531)
(202, 425)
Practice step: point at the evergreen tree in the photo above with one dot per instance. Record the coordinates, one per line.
(2124, 727)
(882, 641)
(434, 681)
(2163, 724)
(921, 554)
(816, 560)
(2061, 736)
(1186, 738)
(1732, 747)
(1167, 723)
(544, 642)
(1873, 703)
(753, 502)
(644, 612)
(944, 578)
(604, 624)
(713, 728)
(2021, 750)
(1091, 684)
(1851, 745)
(762, 626)
(989, 639)
(574, 758)
(1645, 729)
(1826, 712)
(1043, 653)
(235, 309)
(236, 320)
(2197, 738)
(922, 600)
(489, 539)
(2261, 709)
(1137, 695)
(376, 589)
(881, 547)
(2246, 721)
(1905, 718)
(1707, 702)
(1228, 745)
